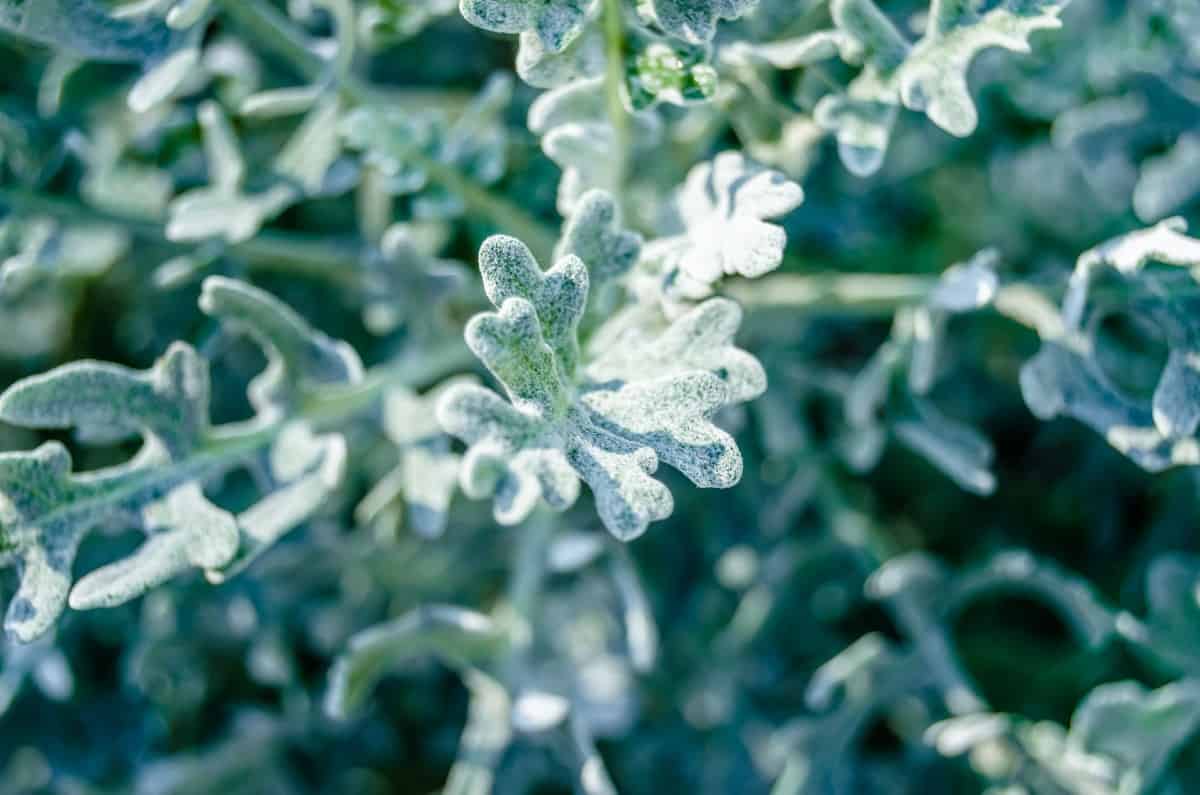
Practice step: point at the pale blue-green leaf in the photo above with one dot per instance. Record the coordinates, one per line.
(455, 635)
(724, 204)
(299, 357)
(556, 22)
(695, 21)
(86, 29)
(187, 531)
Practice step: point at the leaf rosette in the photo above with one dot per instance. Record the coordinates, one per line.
(608, 422)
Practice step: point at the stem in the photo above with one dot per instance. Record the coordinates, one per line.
(883, 294)
(289, 252)
(276, 32)
(614, 76)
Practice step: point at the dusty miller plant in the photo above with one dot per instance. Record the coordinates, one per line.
(719, 396)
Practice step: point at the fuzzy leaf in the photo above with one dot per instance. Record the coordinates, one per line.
(86, 29)
(1154, 267)
(46, 510)
(455, 635)
(933, 78)
(1138, 729)
(929, 75)
(724, 205)
(556, 22)
(593, 233)
(1171, 631)
(557, 427)
(299, 358)
(695, 21)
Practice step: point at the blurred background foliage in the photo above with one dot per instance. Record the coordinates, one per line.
(818, 555)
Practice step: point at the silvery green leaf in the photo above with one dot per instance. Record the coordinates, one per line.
(404, 282)
(167, 405)
(556, 22)
(544, 68)
(299, 358)
(933, 77)
(593, 233)
(221, 209)
(801, 51)
(883, 46)
(226, 167)
(964, 454)
(279, 102)
(45, 510)
(1065, 377)
(577, 135)
(304, 468)
(862, 123)
(187, 531)
(1138, 729)
(695, 21)
(427, 474)
(86, 29)
(584, 153)
(204, 213)
(456, 635)
(1171, 631)
(313, 148)
(967, 286)
(186, 13)
(164, 79)
(929, 75)
(701, 339)
(1169, 181)
(556, 297)
(725, 205)
(556, 430)
(42, 663)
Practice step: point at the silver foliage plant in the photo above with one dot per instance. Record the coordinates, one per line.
(385, 283)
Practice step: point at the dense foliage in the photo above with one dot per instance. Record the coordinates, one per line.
(372, 367)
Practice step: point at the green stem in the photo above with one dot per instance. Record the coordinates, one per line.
(277, 33)
(614, 77)
(289, 252)
(882, 294)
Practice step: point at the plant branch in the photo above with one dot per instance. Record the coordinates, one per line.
(294, 253)
(614, 77)
(277, 33)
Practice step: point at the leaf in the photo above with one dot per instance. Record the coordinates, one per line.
(558, 425)
(576, 132)
(46, 510)
(556, 22)
(1138, 729)
(163, 80)
(929, 75)
(406, 284)
(593, 233)
(695, 21)
(189, 532)
(87, 29)
(544, 68)
(427, 474)
(724, 205)
(1152, 266)
(455, 635)
(701, 339)
(300, 359)
(1171, 631)
(933, 78)
(221, 210)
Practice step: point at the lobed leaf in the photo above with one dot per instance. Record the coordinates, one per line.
(560, 426)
